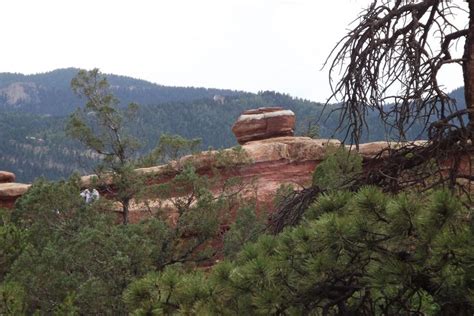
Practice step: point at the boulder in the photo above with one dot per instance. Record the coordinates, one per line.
(10, 192)
(13, 190)
(264, 123)
(6, 176)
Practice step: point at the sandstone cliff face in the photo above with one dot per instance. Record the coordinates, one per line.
(268, 164)
(272, 163)
(262, 167)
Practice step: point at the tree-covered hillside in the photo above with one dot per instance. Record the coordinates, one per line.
(50, 93)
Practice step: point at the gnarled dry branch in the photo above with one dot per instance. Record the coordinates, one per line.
(389, 64)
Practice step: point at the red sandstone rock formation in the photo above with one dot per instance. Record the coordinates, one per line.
(272, 158)
(6, 176)
(267, 164)
(264, 123)
(10, 192)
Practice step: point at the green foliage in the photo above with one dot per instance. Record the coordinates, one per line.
(33, 142)
(233, 157)
(74, 255)
(170, 147)
(54, 97)
(246, 228)
(63, 256)
(67, 307)
(359, 253)
(338, 169)
(100, 126)
(334, 201)
(12, 299)
(310, 128)
(195, 215)
(362, 252)
(12, 242)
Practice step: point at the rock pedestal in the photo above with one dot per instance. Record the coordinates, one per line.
(10, 192)
(6, 177)
(264, 123)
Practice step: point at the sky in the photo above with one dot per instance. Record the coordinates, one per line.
(249, 45)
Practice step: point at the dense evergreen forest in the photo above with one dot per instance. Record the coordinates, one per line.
(50, 93)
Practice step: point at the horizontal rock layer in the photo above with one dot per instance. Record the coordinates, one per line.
(264, 123)
(265, 164)
(6, 176)
(10, 192)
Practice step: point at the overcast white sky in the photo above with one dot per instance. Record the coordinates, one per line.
(246, 45)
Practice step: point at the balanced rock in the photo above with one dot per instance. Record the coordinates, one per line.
(264, 123)
(10, 192)
(6, 177)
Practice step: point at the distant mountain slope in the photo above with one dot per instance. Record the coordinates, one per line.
(50, 93)
(33, 142)
(458, 95)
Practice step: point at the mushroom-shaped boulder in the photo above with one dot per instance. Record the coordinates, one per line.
(264, 123)
(6, 177)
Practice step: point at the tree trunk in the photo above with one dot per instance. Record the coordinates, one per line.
(125, 208)
(468, 66)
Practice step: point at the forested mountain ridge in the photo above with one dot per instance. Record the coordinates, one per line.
(50, 93)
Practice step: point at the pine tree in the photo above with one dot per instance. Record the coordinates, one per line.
(101, 127)
(361, 253)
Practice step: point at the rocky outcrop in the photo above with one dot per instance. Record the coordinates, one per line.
(264, 123)
(10, 192)
(263, 165)
(269, 158)
(6, 177)
(18, 92)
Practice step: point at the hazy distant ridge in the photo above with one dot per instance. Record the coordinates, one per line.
(50, 93)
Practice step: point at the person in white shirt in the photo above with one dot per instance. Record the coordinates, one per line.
(86, 195)
(94, 195)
